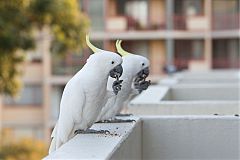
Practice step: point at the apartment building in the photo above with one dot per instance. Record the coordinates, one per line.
(190, 34)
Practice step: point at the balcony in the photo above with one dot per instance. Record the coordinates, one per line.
(176, 120)
(226, 21)
(203, 93)
(165, 137)
(191, 23)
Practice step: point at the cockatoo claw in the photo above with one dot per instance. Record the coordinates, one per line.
(91, 131)
(117, 86)
(120, 120)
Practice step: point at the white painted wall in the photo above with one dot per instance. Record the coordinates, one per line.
(191, 137)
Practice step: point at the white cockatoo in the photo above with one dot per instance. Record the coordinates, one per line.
(135, 71)
(85, 94)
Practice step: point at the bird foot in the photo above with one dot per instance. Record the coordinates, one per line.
(124, 115)
(103, 121)
(91, 131)
(119, 121)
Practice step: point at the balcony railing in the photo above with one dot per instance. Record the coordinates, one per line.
(158, 137)
(180, 22)
(195, 23)
(225, 62)
(126, 23)
(226, 21)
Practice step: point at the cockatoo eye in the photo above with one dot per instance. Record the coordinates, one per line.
(143, 64)
(113, 62)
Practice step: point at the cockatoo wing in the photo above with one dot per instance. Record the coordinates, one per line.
(72, 105)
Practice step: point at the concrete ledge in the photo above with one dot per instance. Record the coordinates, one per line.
(159, 137)
(124, 141)
(206, 77)
(187, 108)
(194, 99)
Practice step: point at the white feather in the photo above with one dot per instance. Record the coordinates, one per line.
(83, 97)
(132, 64)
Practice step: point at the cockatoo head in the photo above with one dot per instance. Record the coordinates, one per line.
(136, 65)
(107, 63)
(110, 62)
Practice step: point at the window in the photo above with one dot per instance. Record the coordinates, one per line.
(185, 50)
(226, 53)
(189, 7)
(225, 14)
(96, 14)
(31, 94)
(136, 11)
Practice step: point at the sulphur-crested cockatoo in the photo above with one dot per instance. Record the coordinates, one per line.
(85, 94)
(135, 71)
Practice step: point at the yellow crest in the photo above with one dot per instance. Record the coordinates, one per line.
(120, 50)
(90, 45)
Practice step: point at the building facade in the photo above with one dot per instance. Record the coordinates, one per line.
(190, 34)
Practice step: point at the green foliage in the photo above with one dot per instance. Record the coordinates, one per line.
(10, 74)
(22, 150)
(18, 20)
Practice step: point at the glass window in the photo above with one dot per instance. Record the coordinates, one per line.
(96, 14)
(185, 50)
(30, 94)
(197, 49)
(225, 6)
(226, 53)
(225, 14)
(189, 7)
(136, 12)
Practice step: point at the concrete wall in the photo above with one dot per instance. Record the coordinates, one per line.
(173, 138)
(189, 108)
(194, 92)
(131, 147)
(124, 142)
(209, 77)
(192, 99)
(164, 137)
(209, 74)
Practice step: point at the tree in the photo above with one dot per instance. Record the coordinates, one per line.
(23, 149)
(20, 19)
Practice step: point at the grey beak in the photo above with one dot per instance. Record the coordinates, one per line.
(116, 72)
(143, 73)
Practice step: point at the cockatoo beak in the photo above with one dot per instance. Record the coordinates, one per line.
(140, 82)
(143, 74)
(116, 72)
